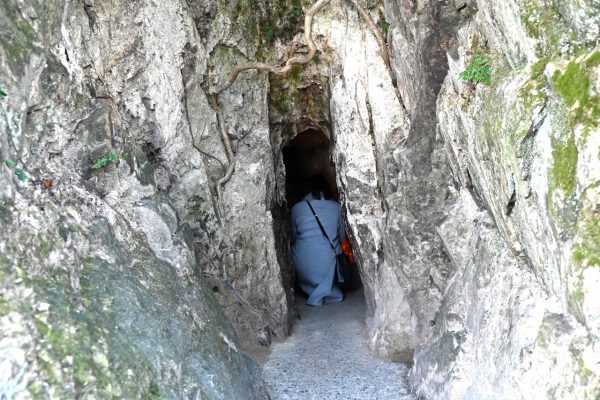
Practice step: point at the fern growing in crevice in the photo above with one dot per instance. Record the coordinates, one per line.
(479, 70)
(108, 159)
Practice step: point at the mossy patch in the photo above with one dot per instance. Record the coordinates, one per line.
(296, 73)
(24, 38)
(587, 252)
(544, 22)
(19, 38)
(543, 338)
(44, 246)
(69, 354)
(537, 69)
(574, 85)
(268, 21)
(4, 307)
(593, 60)
(533, 93)
(153, 391)
(562, 182)
(564, 166)
(586, 377)
(285, 18)
(576, 297)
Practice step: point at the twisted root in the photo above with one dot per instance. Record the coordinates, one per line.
(374, 29)
(280, 70)
(226, 143)
(299, 59)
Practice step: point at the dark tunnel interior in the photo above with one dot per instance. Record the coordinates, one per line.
(307, 155)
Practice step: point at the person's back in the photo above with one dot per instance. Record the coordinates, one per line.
(307, 229)
(312, 255)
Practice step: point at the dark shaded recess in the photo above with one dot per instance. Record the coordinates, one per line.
(307, 155)
(281, 229)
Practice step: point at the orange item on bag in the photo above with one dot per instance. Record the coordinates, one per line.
(347, 249)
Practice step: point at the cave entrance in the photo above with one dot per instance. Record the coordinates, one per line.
(305, 156)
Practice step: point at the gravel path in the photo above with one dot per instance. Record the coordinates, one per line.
(326, 358)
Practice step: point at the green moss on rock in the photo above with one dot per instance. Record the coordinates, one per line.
(564, 167)
(575, 299)
(593, 60)
(265, 21)
(537, 70)
(4, 307)
(544, 22)
(21, 41)
(574, 85)
(587, 252)
(562, 180)
(107, 336)
(283, 21)
(533, 93)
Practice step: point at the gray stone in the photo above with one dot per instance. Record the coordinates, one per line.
(111, 297)
(517, 274)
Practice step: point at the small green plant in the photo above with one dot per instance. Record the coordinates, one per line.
(109, 159)
(384, 25)
(3, 93)
(154, 390)
(283, 107)
(269, 33)
(19, 172)
(479, 70)
(296, 11)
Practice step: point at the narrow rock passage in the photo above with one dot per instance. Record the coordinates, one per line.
(327, 358)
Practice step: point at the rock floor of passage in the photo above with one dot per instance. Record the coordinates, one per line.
(327, 358)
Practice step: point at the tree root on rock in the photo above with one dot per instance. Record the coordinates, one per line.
(280, 70)
(226, 144)
(374, 29)
(300, 59)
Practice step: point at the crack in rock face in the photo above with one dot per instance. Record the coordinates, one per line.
(472, 207)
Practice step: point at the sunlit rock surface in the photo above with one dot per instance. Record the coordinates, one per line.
(104, 271)
(519, 225)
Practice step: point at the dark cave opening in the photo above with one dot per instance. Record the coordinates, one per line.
(307, 155)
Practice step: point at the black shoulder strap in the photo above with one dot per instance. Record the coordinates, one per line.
(320, 225)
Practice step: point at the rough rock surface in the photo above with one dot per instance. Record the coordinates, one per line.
(514, 305)
(367, 118)
(106, 272)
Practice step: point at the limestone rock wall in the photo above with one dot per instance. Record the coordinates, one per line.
(110, 277)
(512, 302)
(391, 166)
(367, 119)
